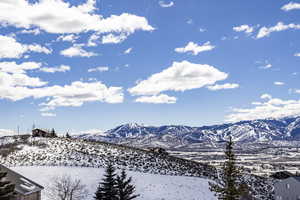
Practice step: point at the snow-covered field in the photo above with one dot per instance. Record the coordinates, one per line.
(149, 186)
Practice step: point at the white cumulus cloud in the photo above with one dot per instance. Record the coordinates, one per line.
(270, 108)
(78, 93)
(278, 83)
(266, 66)
(16, 84)
(113, 39)
(195, 48)
(68, 38)
(48, 114)
(61, 68)
(291, 6)
(99, 69)
(58, 16)
(11, 48)
(77, 50)
(93, 39)
(8, 80)
(266, 96)
(35, 31)
(244, 28)
(75, 94)
(13, 67)
(297, 91)
(157, 99)
(180, 76)
(127, 51)
(164, 4)
(223, 86)
(280, 26)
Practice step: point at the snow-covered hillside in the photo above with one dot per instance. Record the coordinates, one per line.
(149, 186)
(71, 152)
(267, 130)
(28, 151)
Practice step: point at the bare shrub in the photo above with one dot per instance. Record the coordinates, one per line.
(66, 188)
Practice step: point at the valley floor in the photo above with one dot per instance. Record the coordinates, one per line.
(149, 186)
(262, 159)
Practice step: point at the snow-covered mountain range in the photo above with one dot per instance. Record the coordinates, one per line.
(170, 136)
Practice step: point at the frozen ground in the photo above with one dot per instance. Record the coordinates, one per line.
(149, 186)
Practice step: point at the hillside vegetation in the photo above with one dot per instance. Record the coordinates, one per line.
(30, 151)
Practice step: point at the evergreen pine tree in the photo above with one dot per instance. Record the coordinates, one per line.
(125, 189)
(53, 133)
(227, 187)
(98, 193)
(6, 188)
(67, 135)
(107, 189)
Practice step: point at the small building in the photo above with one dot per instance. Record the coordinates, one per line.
(43, 133)
(287, 189)
(25, 188)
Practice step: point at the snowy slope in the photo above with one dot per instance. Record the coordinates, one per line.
(149, 186)
(78, 153)
(71, 152)
(285, 129)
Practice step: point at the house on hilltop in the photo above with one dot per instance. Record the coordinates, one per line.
(43, 133)
(25, 188)
(287, 189)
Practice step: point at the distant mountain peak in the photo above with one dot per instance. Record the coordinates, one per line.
(133, 125)
(264, 130)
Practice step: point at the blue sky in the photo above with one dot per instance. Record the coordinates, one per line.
(91, 64)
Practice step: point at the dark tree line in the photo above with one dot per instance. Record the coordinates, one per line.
(115, 187)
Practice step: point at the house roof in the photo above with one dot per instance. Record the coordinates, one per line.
(23, 185)
(42, 130)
